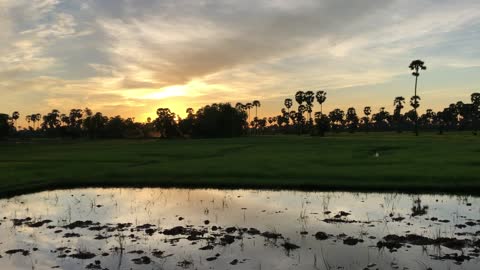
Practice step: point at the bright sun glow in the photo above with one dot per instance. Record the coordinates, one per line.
(166, 92)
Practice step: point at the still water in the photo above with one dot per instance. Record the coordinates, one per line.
(155, 228)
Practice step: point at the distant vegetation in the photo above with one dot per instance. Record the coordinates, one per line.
(224, 120)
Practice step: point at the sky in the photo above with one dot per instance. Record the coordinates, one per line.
(130, 57)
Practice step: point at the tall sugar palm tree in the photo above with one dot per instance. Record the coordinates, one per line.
(248, 106)
(352, 119)
(189, 111)
(416, 66)
(475, 98)
(256, 104)
(367, 111)
(36, 118)
(28, 118)
(415, 103)
(15, 116)
(300, 97)
(321, 97)
(309, 100)
(288, 104)
(239, 106)
(398, 102)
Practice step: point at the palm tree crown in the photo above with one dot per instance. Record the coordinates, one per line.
(416, 66)
(300, 97)
(367, 110)
(256, 104)
(288, 103)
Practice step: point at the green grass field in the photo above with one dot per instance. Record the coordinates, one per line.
(429, 163)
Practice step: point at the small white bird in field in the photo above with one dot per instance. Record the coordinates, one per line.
(377, 154)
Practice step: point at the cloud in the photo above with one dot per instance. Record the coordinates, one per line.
(129, 54)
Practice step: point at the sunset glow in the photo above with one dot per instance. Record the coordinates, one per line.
(127, 59)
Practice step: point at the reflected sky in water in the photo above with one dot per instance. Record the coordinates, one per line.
(297, 216)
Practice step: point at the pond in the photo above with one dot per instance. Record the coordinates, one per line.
(156, 228)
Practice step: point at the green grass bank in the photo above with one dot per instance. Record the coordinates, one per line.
(428, 163)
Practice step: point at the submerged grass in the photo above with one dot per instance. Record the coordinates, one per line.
(429, 163)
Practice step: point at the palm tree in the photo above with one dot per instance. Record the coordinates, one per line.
(416, 66)
(300, 97)
(293, 116)
(475, 98)
(15, 116)
(88, 111)
(309, 99)
(256, 104)
(415, 103)
(65, 119)
(36, 118)
(51, 120)
(398, 103)
(288, 103)
(429, 117)
(300, 119)
(248, 106)
(336, 116)
(382, 118)
(397, 114)
(190, 112)
(240, 107)
(367, 111)
(352, 119)
(321, 97)
(28, 118)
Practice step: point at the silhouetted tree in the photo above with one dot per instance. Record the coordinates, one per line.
(300, 97)
(15, 116)
(475, 98)
(36, 118)
(28, 118)
(256, 104)
(248, 106)
(382, 119)
(240, 107)
(309, 98)
(416, 66)
(415, 103)
(165, 123)
(288, 104)
(293, 117)
(352, 119)
(427, 119)
(94, 124)
(5, 125)
(321, 97)
(51, 123)
(300, 118)
(366, 119)
(221, 120)
(322, 123)
(336, 117)
(398, 102)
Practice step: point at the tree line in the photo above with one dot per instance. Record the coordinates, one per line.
(224, 120)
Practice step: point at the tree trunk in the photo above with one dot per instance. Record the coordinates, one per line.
(416, 115)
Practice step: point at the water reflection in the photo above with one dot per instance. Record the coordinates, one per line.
(237, 229)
